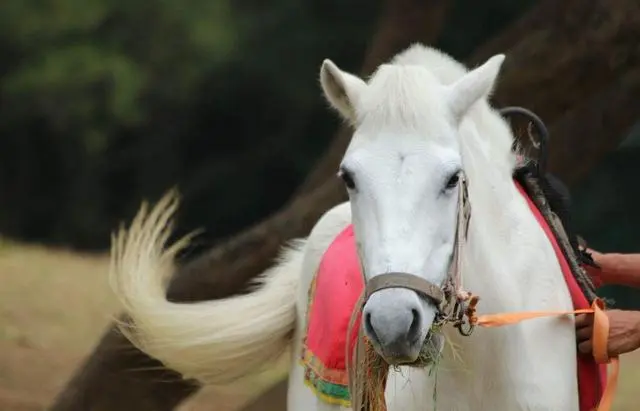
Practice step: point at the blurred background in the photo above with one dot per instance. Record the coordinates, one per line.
(106, 103)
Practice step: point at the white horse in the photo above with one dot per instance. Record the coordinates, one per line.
(419, 122)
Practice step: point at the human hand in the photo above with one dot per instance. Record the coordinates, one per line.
(624, 332)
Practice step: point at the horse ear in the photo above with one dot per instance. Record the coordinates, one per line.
(473, 86)
(341, 89)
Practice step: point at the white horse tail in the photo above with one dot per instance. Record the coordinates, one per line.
(215, 342)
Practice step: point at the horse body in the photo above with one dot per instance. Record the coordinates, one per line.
(507, 261)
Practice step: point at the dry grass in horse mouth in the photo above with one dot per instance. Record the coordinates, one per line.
(429, 348)
(377, 368)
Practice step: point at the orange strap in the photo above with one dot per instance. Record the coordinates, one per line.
(599, 338)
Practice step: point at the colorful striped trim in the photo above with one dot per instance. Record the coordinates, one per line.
(334, 394)
(330, 375)
(328, 384)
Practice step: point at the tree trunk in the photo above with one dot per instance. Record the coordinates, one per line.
(118, 377)
(107, 381)
(571, 50)
(588, 132)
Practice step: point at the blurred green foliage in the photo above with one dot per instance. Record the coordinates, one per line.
(105, 103)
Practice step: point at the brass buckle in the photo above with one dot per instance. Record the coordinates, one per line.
(461, 322)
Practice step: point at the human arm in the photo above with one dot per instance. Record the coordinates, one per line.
(624, 326)
(615, 268)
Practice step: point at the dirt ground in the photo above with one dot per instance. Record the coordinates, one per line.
(54, 305)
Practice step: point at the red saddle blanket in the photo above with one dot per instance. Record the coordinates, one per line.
(332, 298)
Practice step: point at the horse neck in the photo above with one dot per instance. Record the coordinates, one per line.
(503, 238)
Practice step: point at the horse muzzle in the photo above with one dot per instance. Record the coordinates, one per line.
(398, 314)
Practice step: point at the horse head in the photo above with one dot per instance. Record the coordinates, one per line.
(403, 171)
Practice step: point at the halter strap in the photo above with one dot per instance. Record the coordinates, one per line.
(404, 280)
(454, 286)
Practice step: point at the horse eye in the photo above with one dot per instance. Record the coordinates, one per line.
(453, 181)
(347, 177)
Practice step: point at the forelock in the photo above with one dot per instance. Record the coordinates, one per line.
(402, 96)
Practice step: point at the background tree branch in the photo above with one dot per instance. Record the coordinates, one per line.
(568, 53)
(558, 54)
(590, 130)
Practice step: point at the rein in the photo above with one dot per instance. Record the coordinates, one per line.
(368, 371)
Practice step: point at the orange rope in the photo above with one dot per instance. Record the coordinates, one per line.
(599, 337)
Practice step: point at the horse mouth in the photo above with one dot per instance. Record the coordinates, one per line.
(431, 349)
(429, 353)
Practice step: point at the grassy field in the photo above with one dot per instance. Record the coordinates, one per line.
(54, 305)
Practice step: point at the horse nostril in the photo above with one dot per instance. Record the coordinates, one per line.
(414, 328)
(369, 327)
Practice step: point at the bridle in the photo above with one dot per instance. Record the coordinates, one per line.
(455, 306)
(452, 302)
